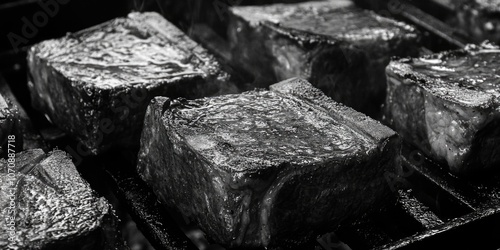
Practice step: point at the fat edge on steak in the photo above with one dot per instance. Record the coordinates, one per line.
(447, 104)
(96, 83)
(266, 167)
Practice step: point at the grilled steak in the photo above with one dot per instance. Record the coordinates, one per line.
(95, 84)
(45, 204)
(447, 104)
(340, 48)
(265, 167)
(479, 18)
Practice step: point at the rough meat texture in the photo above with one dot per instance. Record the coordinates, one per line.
(341, 49)
(96, 84)
(54, 207)
(448, 105)
(264, 167)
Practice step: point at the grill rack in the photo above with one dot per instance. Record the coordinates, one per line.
(433, 207)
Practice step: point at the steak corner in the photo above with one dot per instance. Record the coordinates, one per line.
(264, 167)
(447, 104)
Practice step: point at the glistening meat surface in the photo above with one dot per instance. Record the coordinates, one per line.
(266, 167)
(448, 105)
(95, 84)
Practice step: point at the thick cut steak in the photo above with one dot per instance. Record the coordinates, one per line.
(188, 12)
(45, 204)
(339, 48)
(265, 167)
(95, 84)
(447, 104)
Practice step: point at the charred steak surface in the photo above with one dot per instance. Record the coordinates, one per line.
(107, 75)
(264, 167)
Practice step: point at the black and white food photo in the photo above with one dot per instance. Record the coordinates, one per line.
(249, 124)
